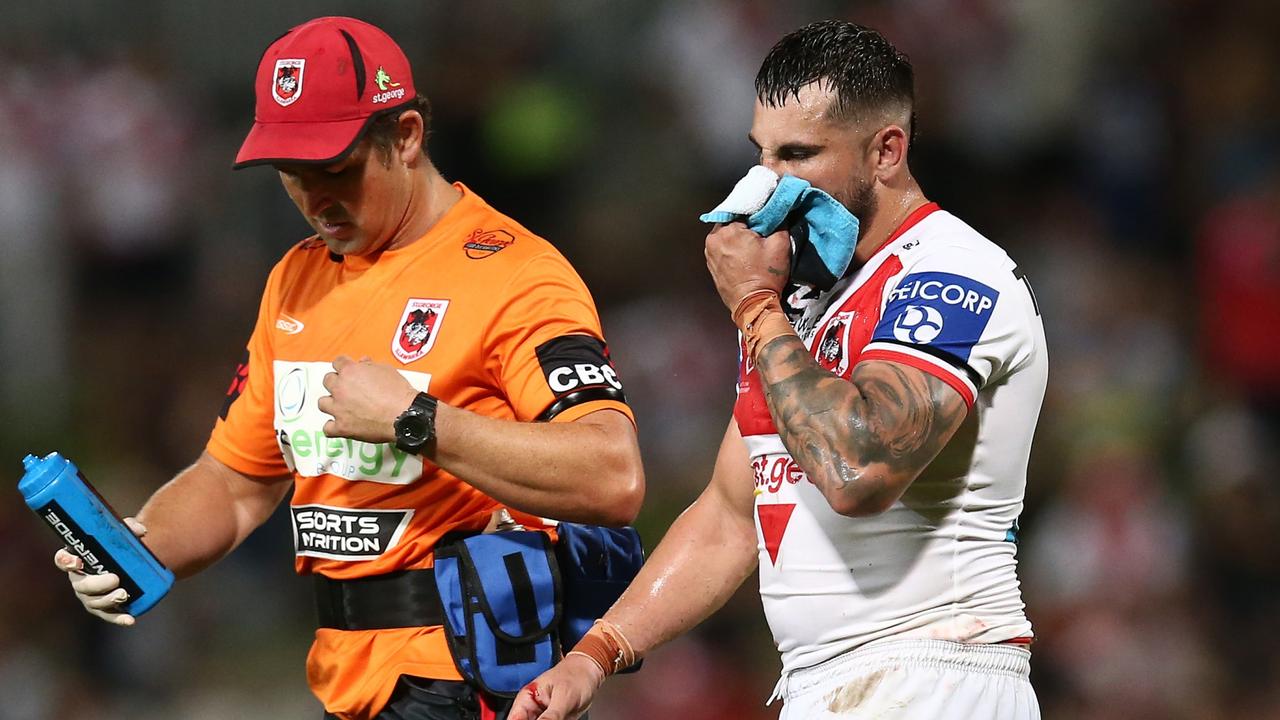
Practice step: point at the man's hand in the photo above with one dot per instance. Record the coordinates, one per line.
(562, 693)
(101, 595)
(365, 399)
(741, 262)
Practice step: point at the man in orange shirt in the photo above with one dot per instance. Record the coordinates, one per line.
(483, 383)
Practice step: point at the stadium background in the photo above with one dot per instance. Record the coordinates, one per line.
(1125, 152)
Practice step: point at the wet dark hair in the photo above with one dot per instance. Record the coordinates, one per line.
(383, 128)
(866, 72)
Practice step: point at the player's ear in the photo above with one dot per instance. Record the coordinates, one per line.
(889, 147)
(410, 135)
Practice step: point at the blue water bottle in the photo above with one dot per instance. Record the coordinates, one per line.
(54, 488)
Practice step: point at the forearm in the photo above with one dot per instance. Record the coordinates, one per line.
(205, 512)
(587, 470)
(860, 441)
(821, 420)
(698, 565)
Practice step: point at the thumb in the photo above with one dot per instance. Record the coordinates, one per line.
(528, 705)
(137, 527)
(67, 562)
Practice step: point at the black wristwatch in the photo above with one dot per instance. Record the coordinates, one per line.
(416, 427)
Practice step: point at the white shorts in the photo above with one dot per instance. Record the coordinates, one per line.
(915, 680)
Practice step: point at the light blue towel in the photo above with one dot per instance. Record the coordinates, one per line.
(833, 230)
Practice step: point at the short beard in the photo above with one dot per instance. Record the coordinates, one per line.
(860, 200)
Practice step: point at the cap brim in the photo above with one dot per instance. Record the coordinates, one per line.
(317, 143)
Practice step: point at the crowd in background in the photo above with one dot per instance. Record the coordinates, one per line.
(1125, 152)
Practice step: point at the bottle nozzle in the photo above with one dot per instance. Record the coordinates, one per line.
(29, 461)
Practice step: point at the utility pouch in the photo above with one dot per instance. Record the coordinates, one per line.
(596, 566)
(501, 596)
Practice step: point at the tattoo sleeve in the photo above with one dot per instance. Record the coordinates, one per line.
(863, 440)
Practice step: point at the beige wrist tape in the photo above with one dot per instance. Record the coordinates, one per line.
(605, 644)
(760, 318)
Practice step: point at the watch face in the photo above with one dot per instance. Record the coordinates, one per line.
(415, 428)
(412, 427)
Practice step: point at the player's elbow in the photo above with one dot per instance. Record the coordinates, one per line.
(609, 497)
(620, 504)
(862, 507)
(864, 497)
(614, 490)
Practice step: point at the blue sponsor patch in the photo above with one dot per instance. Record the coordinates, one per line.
(939, 311)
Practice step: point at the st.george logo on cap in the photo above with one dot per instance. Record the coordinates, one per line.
(318, 87)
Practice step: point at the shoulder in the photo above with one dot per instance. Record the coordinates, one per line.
(305, 253)
(300, 261)
(502, 242)
(943, 243)
(494, 244)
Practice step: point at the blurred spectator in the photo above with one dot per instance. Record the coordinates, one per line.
(1238, 272)
(35, 278)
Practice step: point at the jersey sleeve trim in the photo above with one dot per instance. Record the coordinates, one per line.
(580, 397)
(928, 364)
(586, 408)
(952, 363)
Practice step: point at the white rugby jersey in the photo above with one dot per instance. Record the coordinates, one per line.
(940, 562)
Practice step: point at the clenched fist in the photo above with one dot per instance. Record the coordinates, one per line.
(742, 262)
(365, 398)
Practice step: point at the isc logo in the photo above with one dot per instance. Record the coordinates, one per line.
(566, 378)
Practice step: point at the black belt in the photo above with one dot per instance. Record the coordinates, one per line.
(408, 598)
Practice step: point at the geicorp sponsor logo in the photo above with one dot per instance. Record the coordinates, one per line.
(948, 289)
(946, 312)
(336, 533)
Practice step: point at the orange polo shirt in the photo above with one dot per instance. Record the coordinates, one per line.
(479, 312)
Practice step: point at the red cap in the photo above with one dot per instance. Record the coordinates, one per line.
(317, 88)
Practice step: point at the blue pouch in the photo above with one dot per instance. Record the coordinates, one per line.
(511, 601)
(596, 566)
(501, 595)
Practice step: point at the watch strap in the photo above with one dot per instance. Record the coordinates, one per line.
(422, 409)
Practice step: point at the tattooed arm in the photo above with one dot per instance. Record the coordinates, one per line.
(862, 441)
